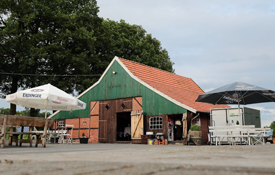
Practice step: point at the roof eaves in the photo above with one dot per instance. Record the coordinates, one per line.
(137, 79)
(153, 89)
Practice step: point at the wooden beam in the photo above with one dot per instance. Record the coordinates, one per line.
(137, 101)
(93, 107)
(45, 134)
(4, 133)
(79, 128)
(89, 125)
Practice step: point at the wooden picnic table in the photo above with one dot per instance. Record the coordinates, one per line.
(21, 121)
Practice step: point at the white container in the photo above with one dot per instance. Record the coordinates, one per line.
(149, 133)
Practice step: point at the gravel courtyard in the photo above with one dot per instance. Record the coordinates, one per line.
(137, 159)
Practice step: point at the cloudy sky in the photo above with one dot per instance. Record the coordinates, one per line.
(213, 42)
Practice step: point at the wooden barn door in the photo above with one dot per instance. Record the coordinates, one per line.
(137, 124)
(107, 121)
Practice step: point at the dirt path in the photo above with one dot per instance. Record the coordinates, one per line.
(138, 159)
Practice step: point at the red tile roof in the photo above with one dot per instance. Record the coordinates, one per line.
(181, 89)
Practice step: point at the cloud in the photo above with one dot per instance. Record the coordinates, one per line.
(213, 42)
(266, 111)
(208, 90)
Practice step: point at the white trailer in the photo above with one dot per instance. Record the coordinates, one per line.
(230, 116)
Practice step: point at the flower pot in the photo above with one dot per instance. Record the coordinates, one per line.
(273, 139)
(195, 137)
(83, 140)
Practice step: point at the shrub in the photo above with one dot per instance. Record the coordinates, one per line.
(273, 135)
(195, 128)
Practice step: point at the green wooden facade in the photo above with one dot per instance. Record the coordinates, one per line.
(122, 85)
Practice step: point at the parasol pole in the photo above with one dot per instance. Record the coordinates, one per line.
(239, 112)
(46, 114)
(46, 108)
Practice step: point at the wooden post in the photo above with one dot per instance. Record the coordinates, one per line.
(21, 136)
(37, 139)
(30, 136)
(79, 128)
(4, 133)
(184, 135)
(44, 134)
(10, 136)
(89, 126)
(54, 131)
(16, 139)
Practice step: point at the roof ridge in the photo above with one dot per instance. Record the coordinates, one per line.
(153, 67)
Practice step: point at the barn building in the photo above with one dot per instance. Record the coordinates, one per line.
(131, 99)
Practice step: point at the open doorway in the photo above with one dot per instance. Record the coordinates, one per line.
(178, 127)
(124, 126)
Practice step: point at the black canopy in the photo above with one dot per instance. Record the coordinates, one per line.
(237, 93)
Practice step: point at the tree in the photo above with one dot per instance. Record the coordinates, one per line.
(66, 37)
(47, 37)
(26, 112)
(5, 111)
(126, 41)
(272, 125)
(131, 42)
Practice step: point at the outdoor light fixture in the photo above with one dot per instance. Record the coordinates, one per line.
(114, 72)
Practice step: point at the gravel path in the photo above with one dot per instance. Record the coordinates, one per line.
(137, 159)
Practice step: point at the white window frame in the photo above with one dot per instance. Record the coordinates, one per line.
(155, 123)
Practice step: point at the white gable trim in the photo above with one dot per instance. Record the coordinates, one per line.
(138, 80)
(91, 86)
(153, 89)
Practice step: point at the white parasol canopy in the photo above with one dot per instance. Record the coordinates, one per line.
(46, 97)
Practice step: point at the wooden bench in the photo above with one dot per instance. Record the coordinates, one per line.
(16, 121)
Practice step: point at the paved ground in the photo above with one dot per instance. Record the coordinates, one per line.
(137, 159)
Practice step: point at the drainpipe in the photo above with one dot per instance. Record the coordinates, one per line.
(193, 119)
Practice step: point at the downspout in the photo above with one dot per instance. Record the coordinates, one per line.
(193, 119)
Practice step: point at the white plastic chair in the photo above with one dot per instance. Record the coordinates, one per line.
(67, 136)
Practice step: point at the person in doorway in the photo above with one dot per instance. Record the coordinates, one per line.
(127, 132)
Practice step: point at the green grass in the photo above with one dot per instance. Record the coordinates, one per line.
(25, 137)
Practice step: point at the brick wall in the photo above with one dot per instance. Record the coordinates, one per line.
(94, 108)
(74, 122)
(84, 122)
(204, 120)
(84, 128)
(137, 101)
(93, 136)
(94, 122)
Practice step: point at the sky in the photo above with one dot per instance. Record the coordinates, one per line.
(213, 42)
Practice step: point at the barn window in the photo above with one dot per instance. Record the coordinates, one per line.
(60, 123)
(155, 123)
(107, 107)
(123, 106)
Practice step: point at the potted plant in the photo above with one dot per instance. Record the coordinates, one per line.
(54, 137)
(83, 139)
(195, 134)
(237, 122)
